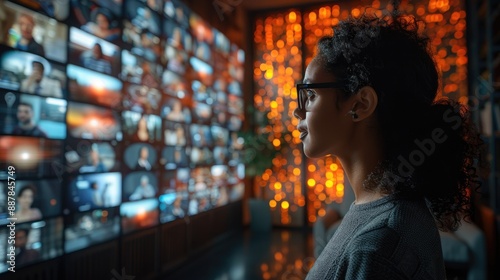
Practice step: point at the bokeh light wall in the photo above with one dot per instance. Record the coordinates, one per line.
(284, 43)
(278, 47)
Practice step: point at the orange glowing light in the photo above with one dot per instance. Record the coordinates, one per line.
(141, 214)
(329, 183)
(311, 182)
(292, 17)
(334, 167)
(312, 16)
(355, 12)
(277, 185)
(311, 168)
(285, 205)
(94, 122)
(276, 142)
(335, 10)
(272, 203)
(278, 256)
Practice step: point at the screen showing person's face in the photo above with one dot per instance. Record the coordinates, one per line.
(37, 72)
(24, 114)
(144, 153)
(26, 199)
(21, 239)
(142, 125)
(97, 51)
(26, 25)
(102, 21)
(144, 181)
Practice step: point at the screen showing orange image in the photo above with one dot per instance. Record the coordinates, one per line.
(93, 87)
(31, 157)
(139, 214)
(91, 122)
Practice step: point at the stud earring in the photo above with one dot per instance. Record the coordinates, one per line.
(353, 114)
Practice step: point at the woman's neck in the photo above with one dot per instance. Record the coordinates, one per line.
(358, 165)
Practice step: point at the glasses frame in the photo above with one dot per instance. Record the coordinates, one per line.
(300, 87)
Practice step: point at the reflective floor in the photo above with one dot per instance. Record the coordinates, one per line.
(279, 254)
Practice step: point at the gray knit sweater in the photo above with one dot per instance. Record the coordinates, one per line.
(384, 239)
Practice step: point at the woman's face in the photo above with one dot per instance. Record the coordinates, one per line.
(142, 125)
(97, 51)
(144, 153)
(26, 199)
(324, 124)
(102, 21)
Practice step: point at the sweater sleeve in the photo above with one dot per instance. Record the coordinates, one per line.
(367, 264)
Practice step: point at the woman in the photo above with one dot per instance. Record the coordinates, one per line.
(142, 133)
(101, 25)
(94, 163)
(94, 59)
(368, 98)
(24, 212)
(143, 159)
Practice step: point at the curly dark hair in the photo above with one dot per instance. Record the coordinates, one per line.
(430, 146)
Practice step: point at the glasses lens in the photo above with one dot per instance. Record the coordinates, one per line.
(301, 98)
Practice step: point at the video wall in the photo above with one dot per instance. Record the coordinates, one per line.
(118, 115)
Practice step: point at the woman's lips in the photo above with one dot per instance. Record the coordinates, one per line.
(303, 135)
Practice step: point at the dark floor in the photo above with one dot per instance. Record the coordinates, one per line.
(279, 254)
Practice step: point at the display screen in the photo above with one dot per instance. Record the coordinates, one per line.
(31, 73)
(31, 157)
(91, 122)
(92, 227)
(139, 214)
(139, 156)
(141, 128)
(93, 87)
(36, 200)
(101, 21)
(33, 32)
(58, 9)
(93, 53)
(117, 115)
(31, 115)
(173, 206)
(86, 156)
(140, 185)
(92, 191)
(35, 241)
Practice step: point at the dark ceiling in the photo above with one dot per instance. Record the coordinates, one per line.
(271, 4)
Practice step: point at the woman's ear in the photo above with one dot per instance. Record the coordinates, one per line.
(365, 103)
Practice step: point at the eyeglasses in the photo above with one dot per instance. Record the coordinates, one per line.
(302, 91)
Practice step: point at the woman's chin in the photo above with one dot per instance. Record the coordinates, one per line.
(311, 153)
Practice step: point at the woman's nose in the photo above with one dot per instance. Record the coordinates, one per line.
(299, 114)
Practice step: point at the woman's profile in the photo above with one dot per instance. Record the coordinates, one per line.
(369, 98)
